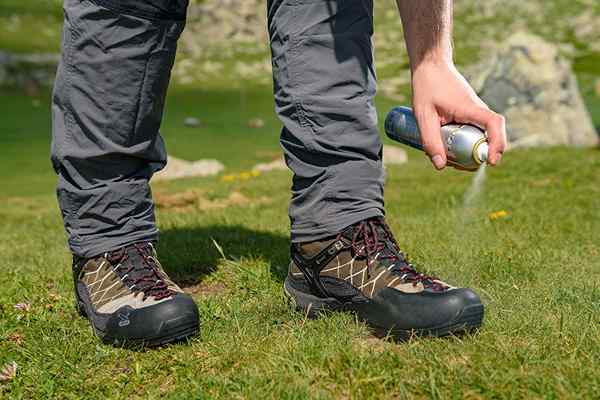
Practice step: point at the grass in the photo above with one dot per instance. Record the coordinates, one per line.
(536, 269)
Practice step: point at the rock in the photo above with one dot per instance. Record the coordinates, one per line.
(256, 123)
(527, 81)
(28, 71)
(275, 165)
(230, 21)
(394, 155)
(177, 168)
(191, 122)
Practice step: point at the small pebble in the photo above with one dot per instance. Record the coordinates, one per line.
(256, 123)
(191, 122)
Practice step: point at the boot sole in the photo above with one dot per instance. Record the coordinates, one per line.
(468, 320)
(165, 337)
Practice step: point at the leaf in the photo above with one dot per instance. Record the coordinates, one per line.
(219, 248)
(9, 371)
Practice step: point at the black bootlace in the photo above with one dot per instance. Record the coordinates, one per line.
(372, 238)
(139, 270)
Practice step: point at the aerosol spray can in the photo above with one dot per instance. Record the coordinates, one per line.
(466, 145)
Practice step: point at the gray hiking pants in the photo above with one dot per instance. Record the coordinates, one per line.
(109, 97)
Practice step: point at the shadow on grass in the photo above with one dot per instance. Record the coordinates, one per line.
(189, 254)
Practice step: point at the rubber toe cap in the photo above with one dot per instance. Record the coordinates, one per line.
(391, 308)
(165, 321)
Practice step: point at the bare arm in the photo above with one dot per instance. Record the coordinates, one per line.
(427, 30)
(440, 93)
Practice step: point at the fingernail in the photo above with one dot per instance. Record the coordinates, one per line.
(438, 161)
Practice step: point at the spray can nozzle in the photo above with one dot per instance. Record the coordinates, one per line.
(480, 152)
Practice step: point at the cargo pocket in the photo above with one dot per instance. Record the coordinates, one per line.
(154, 86)
(334, 86)
(115, 58)
(331, 64)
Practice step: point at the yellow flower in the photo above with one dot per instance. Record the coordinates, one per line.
(498, 215)
(228, 178)
(245, 176)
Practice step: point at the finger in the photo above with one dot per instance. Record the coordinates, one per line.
(495, 126)
(429, 126)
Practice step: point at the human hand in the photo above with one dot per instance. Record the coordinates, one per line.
(441, 95)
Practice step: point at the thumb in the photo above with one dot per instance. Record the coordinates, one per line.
(430, 128)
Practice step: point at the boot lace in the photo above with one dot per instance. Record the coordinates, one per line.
(373, 239)
(139, 269)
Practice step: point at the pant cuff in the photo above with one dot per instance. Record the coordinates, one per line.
(310, 232)
(100, 245)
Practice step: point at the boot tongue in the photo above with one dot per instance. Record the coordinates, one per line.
(370, 239)
(373, 239)
(140, 272)
(137, 258)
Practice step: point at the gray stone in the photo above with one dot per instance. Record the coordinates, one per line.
(394, 155)
(275, 165)
(528, 81)
(191, 122)
(229, 21)
(28, 71)
(177, 168)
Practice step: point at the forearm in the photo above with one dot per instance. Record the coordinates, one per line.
(427, 30)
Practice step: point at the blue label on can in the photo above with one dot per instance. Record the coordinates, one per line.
(401, 126)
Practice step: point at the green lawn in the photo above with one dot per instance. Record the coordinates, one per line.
(537, 271)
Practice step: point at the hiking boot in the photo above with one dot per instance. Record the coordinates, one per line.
(130, 300)
(362, 270)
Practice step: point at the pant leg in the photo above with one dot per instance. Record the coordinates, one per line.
(324, 86)
(107, 107)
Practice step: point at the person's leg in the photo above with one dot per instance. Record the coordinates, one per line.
(324, 84)
(107, 107)
(344, 256)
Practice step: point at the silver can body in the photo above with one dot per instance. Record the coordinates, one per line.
(466, 145)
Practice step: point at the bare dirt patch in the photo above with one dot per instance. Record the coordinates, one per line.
(371, 343)
(197, 199)
(205, 289)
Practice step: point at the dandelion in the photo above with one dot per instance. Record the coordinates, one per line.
(228, 178)
(498, 215)
(242, 176)
(245, 176)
